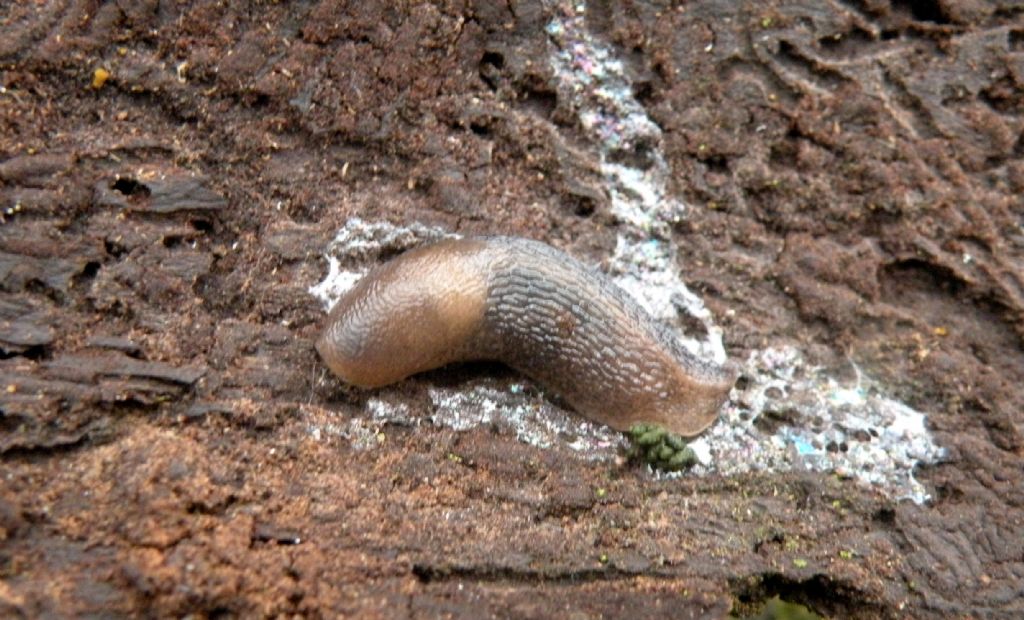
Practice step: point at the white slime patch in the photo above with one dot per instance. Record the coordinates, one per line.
(785, 415)
(360, 244)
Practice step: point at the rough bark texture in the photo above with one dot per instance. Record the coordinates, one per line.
(858, 168)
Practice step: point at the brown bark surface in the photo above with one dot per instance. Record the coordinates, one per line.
(858, 167)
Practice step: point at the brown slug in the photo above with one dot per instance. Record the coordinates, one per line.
(534, 308)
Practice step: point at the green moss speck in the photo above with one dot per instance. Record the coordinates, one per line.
(659, 448)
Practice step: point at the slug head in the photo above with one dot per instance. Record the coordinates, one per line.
(412, 314)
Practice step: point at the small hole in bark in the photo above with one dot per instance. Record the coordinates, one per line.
(923, 10)
(490, 69)
(90, 270)
(885, 515)
(493, 58)
(644, 92)
(1016, 40)
(203, 226)
(130, 187)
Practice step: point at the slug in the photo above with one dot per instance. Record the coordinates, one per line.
(537, 310)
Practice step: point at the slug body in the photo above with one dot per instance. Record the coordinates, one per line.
(533, 308)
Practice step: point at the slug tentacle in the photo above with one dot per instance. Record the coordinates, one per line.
(533, 308)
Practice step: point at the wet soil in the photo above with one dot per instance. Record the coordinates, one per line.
(855, 172)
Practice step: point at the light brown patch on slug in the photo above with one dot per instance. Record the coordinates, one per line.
(409, 315)
(534, 308)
